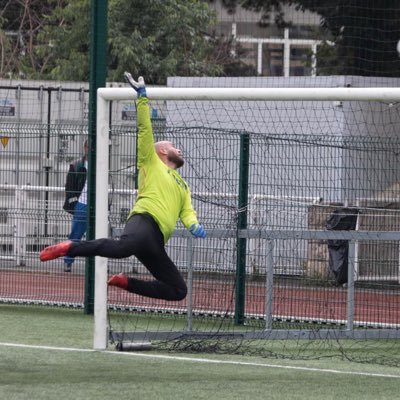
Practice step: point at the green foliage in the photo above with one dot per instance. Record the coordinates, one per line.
(74, 372)
(161, 38)
(63, 47)
(19, 23)
(5, 49)
(158, 38)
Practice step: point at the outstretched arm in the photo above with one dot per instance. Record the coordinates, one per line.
(145, 131)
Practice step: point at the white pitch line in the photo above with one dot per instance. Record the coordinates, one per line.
(201, 360)
(31, 346)
(253, 364)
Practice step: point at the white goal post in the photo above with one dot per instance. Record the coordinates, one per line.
(104, 95)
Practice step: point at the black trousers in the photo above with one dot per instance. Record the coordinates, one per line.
(143, 239)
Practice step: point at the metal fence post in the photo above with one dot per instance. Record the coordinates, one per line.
(350, 287)
(242, 224)
(269, 285)
(19, 227)
(189, 262)
(98, 72)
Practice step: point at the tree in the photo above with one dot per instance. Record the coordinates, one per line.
(63, 44)
(161, 38)
(20, 21)
(158, 38)
(166, 38)
(365, 33)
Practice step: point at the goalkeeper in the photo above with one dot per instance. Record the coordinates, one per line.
(163, 197)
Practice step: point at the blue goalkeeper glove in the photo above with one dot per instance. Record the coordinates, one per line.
(139, 86)
(197, 231)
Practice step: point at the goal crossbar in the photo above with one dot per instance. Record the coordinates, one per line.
(383, 94)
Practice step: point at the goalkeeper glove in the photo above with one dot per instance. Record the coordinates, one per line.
(197, 231)
(138, 86)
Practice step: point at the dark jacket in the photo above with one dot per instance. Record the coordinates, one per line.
(76, 178)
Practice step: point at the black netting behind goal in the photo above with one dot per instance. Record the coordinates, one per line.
(266, 178)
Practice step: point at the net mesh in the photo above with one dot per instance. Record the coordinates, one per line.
(306, 160)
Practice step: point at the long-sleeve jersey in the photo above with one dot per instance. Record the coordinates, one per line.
(162, 192)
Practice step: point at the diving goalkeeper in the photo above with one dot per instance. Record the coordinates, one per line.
(163, 198)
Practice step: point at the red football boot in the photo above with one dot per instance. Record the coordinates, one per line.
(119, 280)
(55, 251)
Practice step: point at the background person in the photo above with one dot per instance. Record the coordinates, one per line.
(76, 200)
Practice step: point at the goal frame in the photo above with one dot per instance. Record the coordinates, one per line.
(105, 95)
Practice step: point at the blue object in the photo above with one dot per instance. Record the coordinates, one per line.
(141, 91)
(197, 231)
(78, 228)
(154, 113)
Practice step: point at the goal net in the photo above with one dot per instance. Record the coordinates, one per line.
(298, 191)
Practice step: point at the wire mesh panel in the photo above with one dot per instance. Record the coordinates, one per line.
(42, 135)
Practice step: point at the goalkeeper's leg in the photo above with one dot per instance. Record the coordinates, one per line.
(142, 238)
(169, 284)
(110, 248)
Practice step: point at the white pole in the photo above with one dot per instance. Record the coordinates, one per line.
(259, 58)
(100, 295)
(384, 94)
(286, 54)
(18, 229)
(314, 49)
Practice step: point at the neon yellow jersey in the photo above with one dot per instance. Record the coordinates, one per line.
(162, 192)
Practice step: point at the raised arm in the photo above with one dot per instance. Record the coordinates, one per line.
(145, 132)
